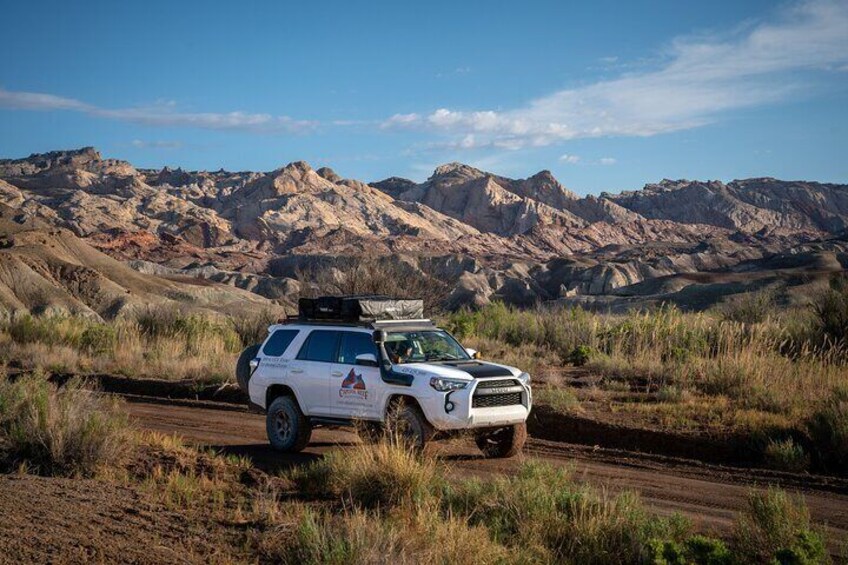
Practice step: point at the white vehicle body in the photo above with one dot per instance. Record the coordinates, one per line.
(330, 384)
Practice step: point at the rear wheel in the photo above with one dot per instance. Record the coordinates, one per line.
(502, 442)
(407, 424)
(243, 367)
(287, 427)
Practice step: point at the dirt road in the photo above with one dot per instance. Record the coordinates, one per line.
(709, 495)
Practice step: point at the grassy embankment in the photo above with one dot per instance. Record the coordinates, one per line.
(780, 378)
(376, 504)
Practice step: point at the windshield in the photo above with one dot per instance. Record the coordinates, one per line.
(425, 345)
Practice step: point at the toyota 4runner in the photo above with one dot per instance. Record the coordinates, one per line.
(383, 366)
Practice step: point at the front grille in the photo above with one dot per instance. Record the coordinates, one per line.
(498, 383)
(491, 400)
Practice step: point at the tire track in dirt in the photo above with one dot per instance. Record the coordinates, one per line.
(709, 495)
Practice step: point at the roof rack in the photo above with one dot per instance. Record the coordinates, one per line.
(359, 308)
(370, 324)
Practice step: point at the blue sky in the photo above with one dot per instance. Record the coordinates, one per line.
(607, 95)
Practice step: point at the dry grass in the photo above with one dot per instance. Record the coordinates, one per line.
(163, 344)
(72, 430)
(416, 535)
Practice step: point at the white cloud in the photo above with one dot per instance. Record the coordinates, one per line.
(162, 114)
(401, 120)
(39, 101)
(158, 144)
(701, 77)
(607, 161)
(570, 159)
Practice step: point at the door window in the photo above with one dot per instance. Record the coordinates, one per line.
(279, 342)
(353, 344)
(320, 346)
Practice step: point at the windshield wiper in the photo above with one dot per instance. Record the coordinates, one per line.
(441, 358)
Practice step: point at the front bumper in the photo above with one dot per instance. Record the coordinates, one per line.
(456, 410)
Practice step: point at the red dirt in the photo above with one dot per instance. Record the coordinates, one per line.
(55, 520)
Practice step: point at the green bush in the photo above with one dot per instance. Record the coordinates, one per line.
(829, 429)
(380, 476)
(697, 550)
(750, 307)
(253, 329)
(786, 455)
(67, 431)
(831, 310)
(27, 330)
(580, 355)
(193, 328)
(776, 528)
(99, 339)
(543, 511)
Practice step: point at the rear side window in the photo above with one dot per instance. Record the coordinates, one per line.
(279, 342)
(353, 344)
(320, 346)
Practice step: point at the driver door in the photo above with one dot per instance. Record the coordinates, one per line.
(354, 386)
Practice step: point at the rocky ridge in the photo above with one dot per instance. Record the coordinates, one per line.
(489, 237)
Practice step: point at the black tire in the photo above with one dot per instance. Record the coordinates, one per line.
(502, 442)
(407, 424)
(370, 432)
(243, 367)
(288, 429)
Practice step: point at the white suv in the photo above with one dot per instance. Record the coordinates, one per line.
(407, 373)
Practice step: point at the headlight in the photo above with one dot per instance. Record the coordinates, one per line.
(524, 378)
(446, 385)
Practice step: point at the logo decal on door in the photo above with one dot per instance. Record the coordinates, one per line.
(353, 386)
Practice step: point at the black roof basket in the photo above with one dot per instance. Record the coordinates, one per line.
(359, 308)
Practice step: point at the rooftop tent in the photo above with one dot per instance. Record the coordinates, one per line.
(360, 308)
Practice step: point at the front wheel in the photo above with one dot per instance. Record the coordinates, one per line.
(407, 424)
(288, 428)
(502, 442)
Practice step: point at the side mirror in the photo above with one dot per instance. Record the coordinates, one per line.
(379, 336)
(473, 353)
(367, 359)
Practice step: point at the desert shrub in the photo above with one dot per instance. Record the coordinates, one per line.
(462, 324)
(253, 329)
(382, 475)
(195, 330)
(544, 512)
(776, 528)
(580, 355)
(357, 537)
(828, 427)
(672, 394)
(750, 307)
(560, 398)
(58, 431)
(785, 454)
(696, 550)
(831, 310)
(49, 330)
(98, 339)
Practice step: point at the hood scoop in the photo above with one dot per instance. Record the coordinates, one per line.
(479, 370)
